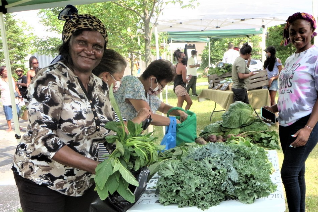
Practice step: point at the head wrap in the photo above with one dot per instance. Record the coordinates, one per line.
(76, 22)
(291, 19)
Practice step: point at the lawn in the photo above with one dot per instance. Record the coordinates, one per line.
(203, 111)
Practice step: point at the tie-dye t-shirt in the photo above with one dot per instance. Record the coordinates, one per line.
(298, 85)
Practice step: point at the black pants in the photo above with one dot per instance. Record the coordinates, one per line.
(193, 85)
(36, 198)
(293, 167)
(240, 94)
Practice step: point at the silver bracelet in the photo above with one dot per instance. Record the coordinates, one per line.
(309, 127)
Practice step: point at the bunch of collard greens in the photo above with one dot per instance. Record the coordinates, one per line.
(133, 151)
(240, 119)
(209, 174)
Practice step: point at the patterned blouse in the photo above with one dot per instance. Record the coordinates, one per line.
(132, 88)
(62, 112)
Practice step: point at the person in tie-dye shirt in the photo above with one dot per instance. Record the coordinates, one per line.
(298, 107)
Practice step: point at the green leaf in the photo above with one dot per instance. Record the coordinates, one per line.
(120, 147)
(133, 128)
(113, 126)
(113, 182)
(124, 191)
(102, 193)
(103, 171)
(128, 176)
(111, 138)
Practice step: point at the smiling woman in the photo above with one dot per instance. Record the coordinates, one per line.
(298, 106)
(68, 107)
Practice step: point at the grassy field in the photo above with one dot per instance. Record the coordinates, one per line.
(203, 111)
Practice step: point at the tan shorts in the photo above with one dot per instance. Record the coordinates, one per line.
(180, 91)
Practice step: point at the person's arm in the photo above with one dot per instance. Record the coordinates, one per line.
(16, 87)
(164, 108)
(157, 120)
(69, 157)
(28, 78)
(304, 133)
(184, 74)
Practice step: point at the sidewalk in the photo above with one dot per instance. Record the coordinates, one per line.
(9, 197)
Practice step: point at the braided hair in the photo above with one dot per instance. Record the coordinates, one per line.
(294, 17)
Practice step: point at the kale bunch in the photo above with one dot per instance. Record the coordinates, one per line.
(207, 175)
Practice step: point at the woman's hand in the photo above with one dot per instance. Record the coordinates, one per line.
(142, 114)
(183, 116)
(302, 137)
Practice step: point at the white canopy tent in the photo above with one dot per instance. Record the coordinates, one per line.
(209, 15)
(230, 15)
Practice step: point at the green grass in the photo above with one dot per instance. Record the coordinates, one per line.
(203, 111)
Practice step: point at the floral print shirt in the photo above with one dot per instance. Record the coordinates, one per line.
(132, 88)
(61, 112)
(298, 86)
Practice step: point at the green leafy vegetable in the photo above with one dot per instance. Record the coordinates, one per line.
(133, 151)
(206, 175)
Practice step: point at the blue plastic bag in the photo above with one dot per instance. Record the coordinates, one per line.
(169, 140)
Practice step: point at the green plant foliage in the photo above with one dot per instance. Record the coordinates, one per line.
(219, 45)
(274, 38)
(220, 70)
(133, 151)
(210, 174)
(18, 42)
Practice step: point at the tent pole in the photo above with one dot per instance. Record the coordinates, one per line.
(209, 52)
(11, 86)
(157, 43)
(264, 43)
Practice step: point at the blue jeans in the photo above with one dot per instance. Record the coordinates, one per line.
(293, 168)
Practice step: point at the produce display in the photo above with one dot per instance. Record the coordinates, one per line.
(241, 123)
(205, 175)
(132, 152)
(220, 70)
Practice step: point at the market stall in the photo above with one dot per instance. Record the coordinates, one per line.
(257, 98)
(275, 202)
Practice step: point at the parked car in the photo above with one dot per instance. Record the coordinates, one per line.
(255, 65)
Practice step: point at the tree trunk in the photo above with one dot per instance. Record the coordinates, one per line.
(147, 42)
(132, 64)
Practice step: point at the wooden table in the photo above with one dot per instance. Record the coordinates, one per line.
(257, 98)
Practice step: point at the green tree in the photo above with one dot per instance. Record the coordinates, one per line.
(126, 22)
(19, 44)
(219, 45)
(274, 38)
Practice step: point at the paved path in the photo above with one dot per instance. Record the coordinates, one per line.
(9, 197)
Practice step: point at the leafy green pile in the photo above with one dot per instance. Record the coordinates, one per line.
(133, 151)
(220, 70)
(239, 114)
(209, 174)
(240, 119)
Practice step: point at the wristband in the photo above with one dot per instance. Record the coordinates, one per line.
(309, 127)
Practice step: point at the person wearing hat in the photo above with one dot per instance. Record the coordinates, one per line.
(21, 82)
(273, 66)
(68, 109)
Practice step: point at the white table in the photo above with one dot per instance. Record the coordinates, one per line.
(275, 202)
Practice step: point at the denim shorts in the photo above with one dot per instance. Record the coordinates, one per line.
(274, 85)
(8, 111)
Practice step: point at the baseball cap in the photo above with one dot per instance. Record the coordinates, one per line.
(19, 69)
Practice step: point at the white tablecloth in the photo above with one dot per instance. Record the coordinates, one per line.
(275, 202)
